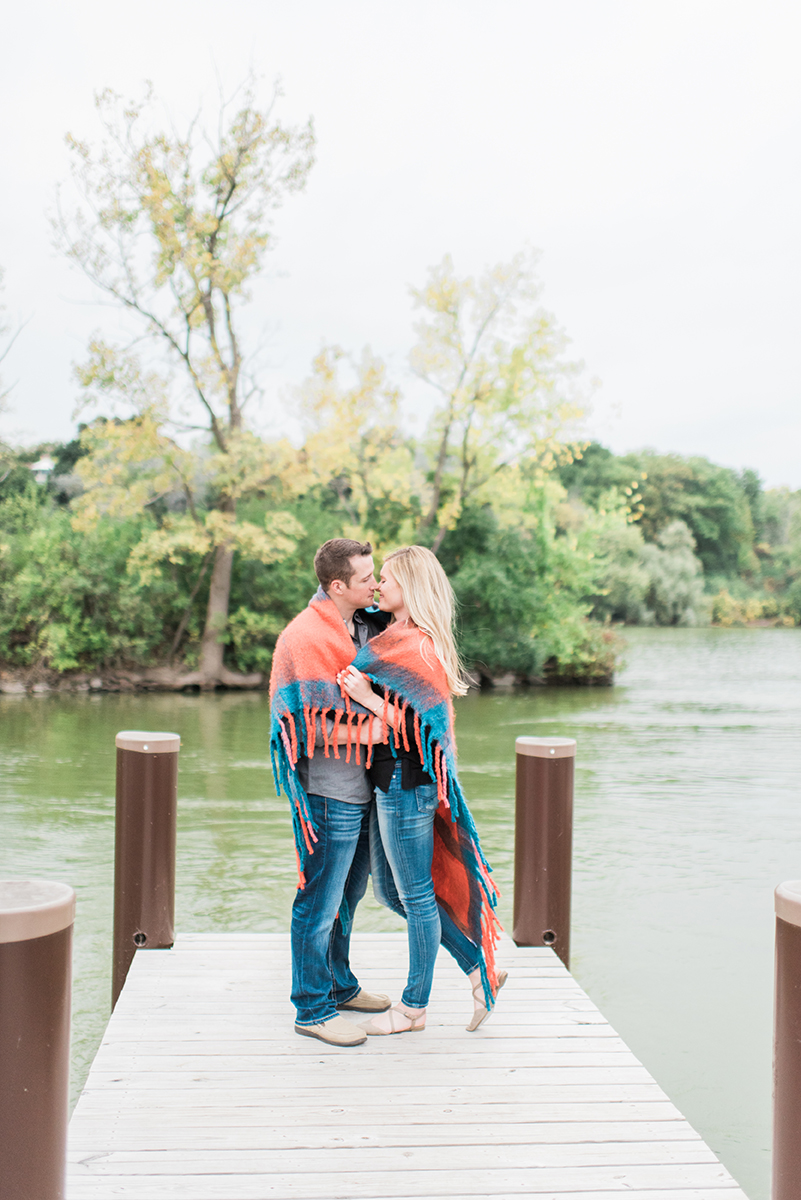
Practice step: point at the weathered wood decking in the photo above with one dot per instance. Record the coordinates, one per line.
(202, 1091)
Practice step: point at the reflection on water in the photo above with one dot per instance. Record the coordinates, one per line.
(686, 817)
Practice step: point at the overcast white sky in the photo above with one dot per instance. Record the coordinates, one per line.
(649, 148)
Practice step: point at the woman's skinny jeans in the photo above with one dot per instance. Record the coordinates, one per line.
(406, 824)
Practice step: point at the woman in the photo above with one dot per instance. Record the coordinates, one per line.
(441, 876)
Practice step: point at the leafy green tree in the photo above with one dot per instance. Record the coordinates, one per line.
(714, 502)
(355, 447)
(709, 499)
(622, 580)
(521, 594)
(66, 600)
(675, 589)
(594, 472)
(753, 490)
(776, 516)
(172, 228)
(497, 582)
(779, 550)
(507, 394)
(15, 473)
(266, 596)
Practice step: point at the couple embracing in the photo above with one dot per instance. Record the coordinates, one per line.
(362, 743)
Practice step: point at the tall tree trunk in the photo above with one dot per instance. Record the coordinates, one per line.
(211, 653)
(211, 670)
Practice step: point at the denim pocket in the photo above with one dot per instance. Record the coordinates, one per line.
(426, 795)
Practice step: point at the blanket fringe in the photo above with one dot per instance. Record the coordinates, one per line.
(436, 762)
(369, 758)
(293, 737)
(360, 719)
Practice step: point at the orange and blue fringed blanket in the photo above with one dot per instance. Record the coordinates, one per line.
(309, 653)
(403, 663)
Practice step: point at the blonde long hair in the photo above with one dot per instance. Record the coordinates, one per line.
(429, 597)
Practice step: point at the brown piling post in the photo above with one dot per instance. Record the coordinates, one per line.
(787, 1044)
(144, 848)
(36, 920)
(543, 843)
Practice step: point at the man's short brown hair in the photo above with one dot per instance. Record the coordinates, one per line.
(333, 560)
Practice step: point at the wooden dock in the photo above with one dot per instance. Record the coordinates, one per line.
(201, 1090)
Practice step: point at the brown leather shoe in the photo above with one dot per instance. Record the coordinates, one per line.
(369, 1002)
(336, 1032)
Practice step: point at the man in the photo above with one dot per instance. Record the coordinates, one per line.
(332, 804)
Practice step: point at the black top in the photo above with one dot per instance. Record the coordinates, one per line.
(383, 764)
(368, 623)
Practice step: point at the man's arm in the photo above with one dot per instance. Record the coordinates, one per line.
(342, 731)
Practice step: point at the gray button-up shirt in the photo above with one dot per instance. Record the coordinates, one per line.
(333, 777)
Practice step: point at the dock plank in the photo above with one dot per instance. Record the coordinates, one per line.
(201, 1090)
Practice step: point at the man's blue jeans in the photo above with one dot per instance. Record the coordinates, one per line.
(322, 912)
(405, 820)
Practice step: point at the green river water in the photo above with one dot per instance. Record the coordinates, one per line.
(687, 816)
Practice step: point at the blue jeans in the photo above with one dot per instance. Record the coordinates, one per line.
(401, 866)
(322, 912)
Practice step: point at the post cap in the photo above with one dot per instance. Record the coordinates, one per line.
(787, 899)
(148, 743)
(545, 747)
(34, 908)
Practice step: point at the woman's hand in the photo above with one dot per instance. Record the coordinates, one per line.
(357, 686)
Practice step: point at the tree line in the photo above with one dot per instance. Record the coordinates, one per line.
(607, 539)
(682, 541)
